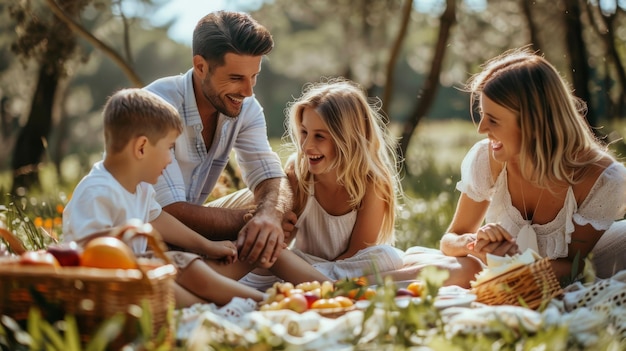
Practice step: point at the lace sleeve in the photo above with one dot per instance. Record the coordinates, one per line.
(606, 201)
(476, 179)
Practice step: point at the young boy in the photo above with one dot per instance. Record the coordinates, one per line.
(140, 130)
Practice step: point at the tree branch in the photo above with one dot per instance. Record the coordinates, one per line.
(97, 43)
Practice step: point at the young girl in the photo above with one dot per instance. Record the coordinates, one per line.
(345, 184)
(540, 180)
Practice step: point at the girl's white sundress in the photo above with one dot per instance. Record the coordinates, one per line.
(322, 237)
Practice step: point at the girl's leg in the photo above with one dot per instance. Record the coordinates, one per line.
(184, 298)
(201, 280)
(292, 268)
(236, 270)
(288, 267)
(462, 269)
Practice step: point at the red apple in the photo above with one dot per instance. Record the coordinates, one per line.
(67, 254)
(297, 302)
(38, 258)
(402, 292)
(310, 298)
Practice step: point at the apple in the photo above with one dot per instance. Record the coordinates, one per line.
(402, 292)
(38, 258)
(67, 254)
(310, 298)
(297, 303)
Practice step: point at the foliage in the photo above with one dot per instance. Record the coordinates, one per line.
(36, 222)
(65, 335)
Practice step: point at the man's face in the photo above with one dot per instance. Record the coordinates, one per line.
(226, 86)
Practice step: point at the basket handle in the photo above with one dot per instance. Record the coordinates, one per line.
(131, 230)
(14, 243)
(155, 241)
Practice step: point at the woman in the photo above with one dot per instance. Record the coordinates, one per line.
(540, 180)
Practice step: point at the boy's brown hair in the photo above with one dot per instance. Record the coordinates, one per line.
(130, 113)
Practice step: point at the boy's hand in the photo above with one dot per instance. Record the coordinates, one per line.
(224, 251)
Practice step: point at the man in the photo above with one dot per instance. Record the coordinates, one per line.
(215, 99)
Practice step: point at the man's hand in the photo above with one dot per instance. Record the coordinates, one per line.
(261, 240)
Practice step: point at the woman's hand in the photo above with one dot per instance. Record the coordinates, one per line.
(492, 238)
(224, 251)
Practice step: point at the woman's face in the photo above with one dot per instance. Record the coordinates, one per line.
(502, 128)
(316, 142)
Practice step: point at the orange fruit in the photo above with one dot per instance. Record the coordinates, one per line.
(369, 294)
(108, 252)
(344, 301)
(326, 303)
(416, 288)
(353, 293)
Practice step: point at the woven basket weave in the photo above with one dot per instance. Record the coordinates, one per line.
(527, 285)
(92, 295)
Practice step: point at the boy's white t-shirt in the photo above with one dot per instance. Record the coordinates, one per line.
(99, 202)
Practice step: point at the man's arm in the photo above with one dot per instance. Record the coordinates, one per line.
(261, 238)
(214, 223)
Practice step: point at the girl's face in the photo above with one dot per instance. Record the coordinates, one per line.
(158, 157)
(316, 142)
(501, 126)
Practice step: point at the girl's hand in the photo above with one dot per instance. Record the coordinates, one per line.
(289, 226)
(223, 251)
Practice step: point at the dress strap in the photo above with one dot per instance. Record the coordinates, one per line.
(311, 186)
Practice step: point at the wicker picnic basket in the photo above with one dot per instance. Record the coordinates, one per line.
(528, 285)
(93, 295)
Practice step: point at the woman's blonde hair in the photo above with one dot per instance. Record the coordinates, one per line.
(557, 142)
(366, 152)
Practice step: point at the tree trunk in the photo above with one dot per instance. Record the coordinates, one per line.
(393, 58)
(32, 140)
(532, 28)
(611, 41)
(426, 95)
(578, 56)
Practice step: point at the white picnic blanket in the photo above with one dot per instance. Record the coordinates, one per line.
(584, 310)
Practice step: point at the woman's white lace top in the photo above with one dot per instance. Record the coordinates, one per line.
(605, 203)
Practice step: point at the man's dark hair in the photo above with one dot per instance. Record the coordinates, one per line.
(222, 32)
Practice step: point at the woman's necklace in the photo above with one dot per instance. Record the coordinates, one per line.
(530, 220)
(527, 238)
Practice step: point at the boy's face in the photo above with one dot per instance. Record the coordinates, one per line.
(158, 157)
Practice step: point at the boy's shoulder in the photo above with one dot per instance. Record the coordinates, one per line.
(98, 175)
